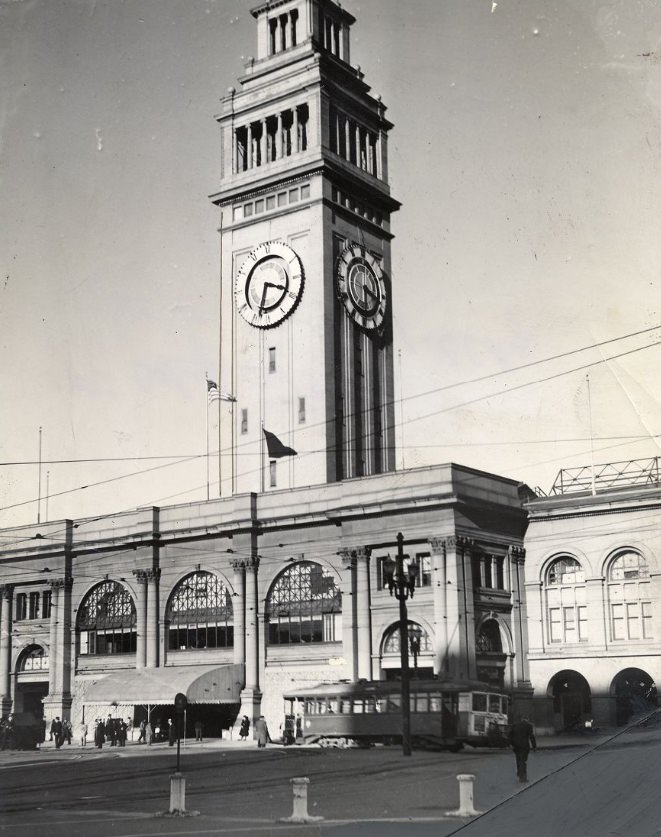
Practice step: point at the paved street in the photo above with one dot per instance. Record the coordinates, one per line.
(599, 786)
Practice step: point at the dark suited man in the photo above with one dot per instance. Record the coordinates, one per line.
(522, 739)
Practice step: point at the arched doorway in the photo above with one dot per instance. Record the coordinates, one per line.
(31, 680)
(489, 655)
(635, 693)
(572, 698)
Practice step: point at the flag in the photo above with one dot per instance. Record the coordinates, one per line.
(212, 391)
(275, 447)
(216, 394)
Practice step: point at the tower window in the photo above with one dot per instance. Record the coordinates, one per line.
(301, 410)
(272, 359)
(46, 604)
(305, 191)
(272, 473)
(294, 21)
(34, 606)
(273, 28)
(244, 421)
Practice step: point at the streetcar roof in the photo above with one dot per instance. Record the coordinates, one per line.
(381, 687)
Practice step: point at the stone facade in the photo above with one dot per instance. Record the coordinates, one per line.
(593, 588)
(302, 571)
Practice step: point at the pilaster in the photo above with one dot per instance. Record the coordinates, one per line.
(517, 557)
(439, 584)
(141, 615)
(6, 603)
(152, 577)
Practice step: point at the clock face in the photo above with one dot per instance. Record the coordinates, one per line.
(360, 286)
(269, 284)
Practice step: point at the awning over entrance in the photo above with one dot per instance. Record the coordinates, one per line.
(200, 684)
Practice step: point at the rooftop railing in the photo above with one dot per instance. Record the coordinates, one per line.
(634, 472)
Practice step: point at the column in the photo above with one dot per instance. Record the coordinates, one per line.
(454, 663)
(294, 128)
(494, 572)
(519, 614)
(249, 155)
(238, 609)
(151, 633)
(439, 582)
(141, 614)
(278, 138)
(6, 597)
(363, 615)
(350, 615)
(262, 143)
(466, 546)
(251, 631)
(52, 653)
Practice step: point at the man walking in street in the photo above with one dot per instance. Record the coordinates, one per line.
(522, 739)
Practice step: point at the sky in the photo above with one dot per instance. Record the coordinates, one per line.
(526, 153)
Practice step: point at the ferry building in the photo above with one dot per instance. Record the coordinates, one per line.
(279, 583)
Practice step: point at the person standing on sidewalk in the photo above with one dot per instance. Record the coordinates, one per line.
(82, 732)
(522, 739)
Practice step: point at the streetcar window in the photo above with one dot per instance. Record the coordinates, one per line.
(332, 706)
(370, 704)
(345, 706)
(479, 703)
(394, 703)
(421, 703)
(435, 703)
(494, 703)
(358, 706)
(382, 705)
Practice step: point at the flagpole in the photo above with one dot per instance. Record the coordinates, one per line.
(207, 398)
(594, 490)
(39, 483)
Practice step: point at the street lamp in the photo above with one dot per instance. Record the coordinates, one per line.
(402, 585)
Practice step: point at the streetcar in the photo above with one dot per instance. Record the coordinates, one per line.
(445, 714)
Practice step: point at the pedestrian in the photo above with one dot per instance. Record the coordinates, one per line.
(522, 739)
(143, 733)
(111, 731)
(8, 733)
(172, 733)
(82, 732)
(198, 731)
(99, 734)
(245, 728)
(67, 731)
(122, 732)
(148, 732)
(262, 732)
(56, 729)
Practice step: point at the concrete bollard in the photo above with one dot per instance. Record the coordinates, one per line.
(466, 809)
(177, 794)
(300, 812)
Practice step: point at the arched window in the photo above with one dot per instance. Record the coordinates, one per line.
(34, 658)
(566, 611)
(304, 605)
(629, 597)
(106, 621)
(391, 640)
(488, 640)
(200, 613)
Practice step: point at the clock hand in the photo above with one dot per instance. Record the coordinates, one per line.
(369, 291)
(267, 285)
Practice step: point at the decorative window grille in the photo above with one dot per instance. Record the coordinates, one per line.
(488, 640)
(391, 644)
(304, 606)
(34, 658)
(106, 621)
(201, 613)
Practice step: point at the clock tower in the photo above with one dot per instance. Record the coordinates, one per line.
(305, 303)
